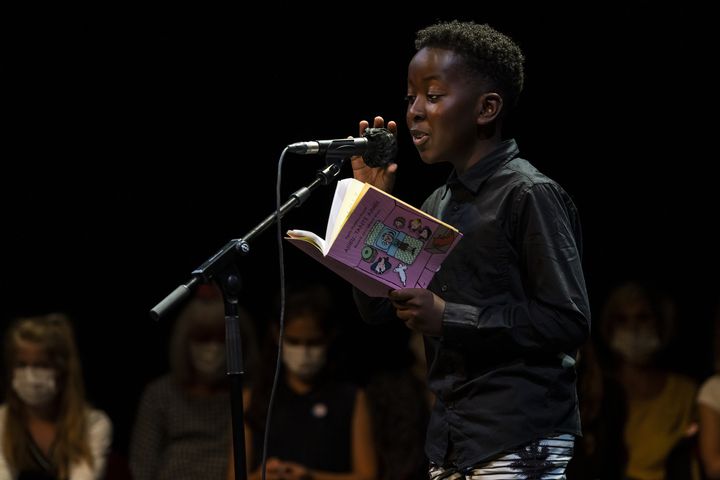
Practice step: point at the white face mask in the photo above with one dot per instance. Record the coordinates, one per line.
(208, 359)
(636, 346)
(35, 386)
(304, 361)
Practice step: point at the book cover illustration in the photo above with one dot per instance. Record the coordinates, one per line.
(383, 244)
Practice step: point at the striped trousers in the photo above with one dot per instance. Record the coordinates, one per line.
(542, 459)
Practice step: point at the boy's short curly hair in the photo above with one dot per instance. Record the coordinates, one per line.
(487, 52)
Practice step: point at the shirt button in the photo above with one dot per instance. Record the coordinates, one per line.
(456, 208)
(444, 288)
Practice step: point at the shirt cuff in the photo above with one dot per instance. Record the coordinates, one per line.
(459, 320)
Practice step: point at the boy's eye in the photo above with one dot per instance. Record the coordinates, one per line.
(410, 98)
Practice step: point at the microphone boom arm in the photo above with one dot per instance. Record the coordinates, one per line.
(227, 255)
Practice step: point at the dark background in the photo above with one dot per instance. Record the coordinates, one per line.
(137, 145)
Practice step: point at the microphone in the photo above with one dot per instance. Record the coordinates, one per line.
(378, 147)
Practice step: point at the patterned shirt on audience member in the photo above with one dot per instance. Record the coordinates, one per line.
(178, 437)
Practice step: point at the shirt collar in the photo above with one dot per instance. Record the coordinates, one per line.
(476, 175)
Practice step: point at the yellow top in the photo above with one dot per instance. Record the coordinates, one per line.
(655, 425)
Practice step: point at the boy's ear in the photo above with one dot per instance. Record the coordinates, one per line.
(489, 106)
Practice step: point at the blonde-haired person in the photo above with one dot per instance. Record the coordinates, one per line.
(181, 427)
(47, 428)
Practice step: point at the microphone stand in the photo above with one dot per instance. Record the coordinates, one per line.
(222, 266)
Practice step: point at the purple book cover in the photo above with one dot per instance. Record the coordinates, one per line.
(386, 244)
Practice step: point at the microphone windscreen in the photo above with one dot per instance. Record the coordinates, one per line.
(383, 147)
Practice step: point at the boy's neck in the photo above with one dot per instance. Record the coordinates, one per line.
(482, 148)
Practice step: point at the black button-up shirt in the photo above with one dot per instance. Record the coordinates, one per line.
(516, 311)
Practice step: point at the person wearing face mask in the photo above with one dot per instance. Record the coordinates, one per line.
(637, 325)
(304, 361)
(47, 429)
(180, 430)
(320, 426)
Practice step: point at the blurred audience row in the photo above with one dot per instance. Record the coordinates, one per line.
(641, 419)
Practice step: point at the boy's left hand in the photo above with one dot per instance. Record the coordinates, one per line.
(420, 309)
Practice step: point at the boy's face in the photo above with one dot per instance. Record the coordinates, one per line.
(442, 106)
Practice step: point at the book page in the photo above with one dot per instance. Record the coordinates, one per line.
(346, 193)
(308, 237)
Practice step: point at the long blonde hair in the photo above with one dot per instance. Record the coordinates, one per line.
(54, 334)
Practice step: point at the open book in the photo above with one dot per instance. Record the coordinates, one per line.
(377, 242)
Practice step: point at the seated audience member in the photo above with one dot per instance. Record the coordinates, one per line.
(600, 454)
(48, 431)
(320, 427)
(181, 428)
(638, 324)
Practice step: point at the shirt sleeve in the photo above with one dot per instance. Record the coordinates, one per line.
(5, 473)
(148, 435)
(100, 434)
(554, 315)
(710, 393)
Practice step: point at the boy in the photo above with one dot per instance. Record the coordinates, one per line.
(505, 315)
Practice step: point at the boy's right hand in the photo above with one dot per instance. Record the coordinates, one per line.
(380, 177)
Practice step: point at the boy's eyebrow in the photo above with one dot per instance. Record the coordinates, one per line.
(433, 76)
